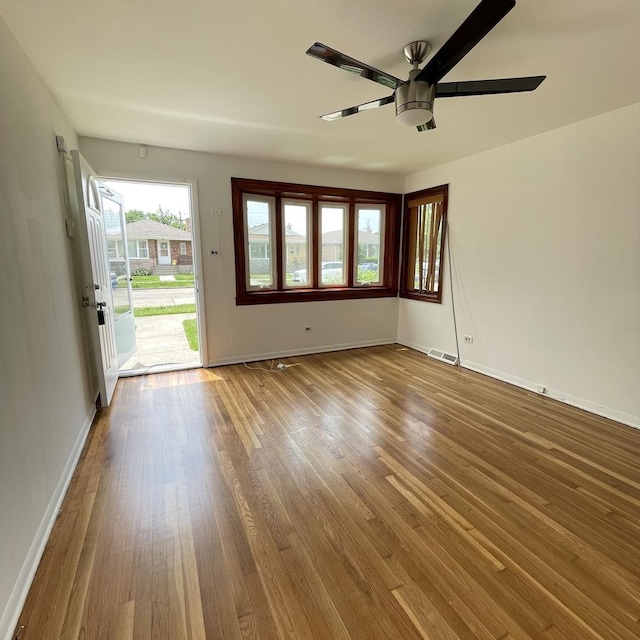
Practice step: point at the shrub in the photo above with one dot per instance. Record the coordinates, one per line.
(141, 272)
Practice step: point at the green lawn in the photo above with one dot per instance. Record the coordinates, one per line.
(154, 282)
(191, 332)
(141, 312)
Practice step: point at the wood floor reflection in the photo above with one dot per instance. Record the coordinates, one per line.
(366, 494)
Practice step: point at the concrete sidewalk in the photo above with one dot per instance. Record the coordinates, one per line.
(163, 297)
(160, 340)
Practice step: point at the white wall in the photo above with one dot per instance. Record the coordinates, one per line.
(545, 237)
(235, 333)
(45, 405)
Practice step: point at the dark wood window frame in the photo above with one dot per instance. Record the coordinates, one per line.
(431, 293)
(351, 197)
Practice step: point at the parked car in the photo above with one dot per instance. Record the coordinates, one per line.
(365, 267)
(331, 271)
(367, 273)
(114, 280)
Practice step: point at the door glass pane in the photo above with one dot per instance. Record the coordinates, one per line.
(369, 225)
(296, 241)
(114, 229)
(332, 231)
(258, 223)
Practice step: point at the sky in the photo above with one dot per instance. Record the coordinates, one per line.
(147, 196)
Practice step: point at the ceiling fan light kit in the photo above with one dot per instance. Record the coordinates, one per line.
(414, 103)
(414, 97)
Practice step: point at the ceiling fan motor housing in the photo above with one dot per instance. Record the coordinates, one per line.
(414, 102)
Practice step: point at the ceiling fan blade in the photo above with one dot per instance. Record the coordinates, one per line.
(380, 102)
(427, 126)
(486, 87)
(481, 20)
(337, 59)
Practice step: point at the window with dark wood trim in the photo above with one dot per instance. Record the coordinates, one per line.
(296, 243)
(425, 225)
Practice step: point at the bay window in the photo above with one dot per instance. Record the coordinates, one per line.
(301, 242)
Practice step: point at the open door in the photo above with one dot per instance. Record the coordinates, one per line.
(97, 294)
(119, 272)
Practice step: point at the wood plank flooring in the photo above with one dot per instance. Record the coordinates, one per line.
(368, 494)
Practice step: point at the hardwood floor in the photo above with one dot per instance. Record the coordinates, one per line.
(368, 494)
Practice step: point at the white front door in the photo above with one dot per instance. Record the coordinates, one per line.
(164, 252)
(96, 279)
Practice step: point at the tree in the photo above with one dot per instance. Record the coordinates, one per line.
(164, 217)
(133, 215)
(168, 218)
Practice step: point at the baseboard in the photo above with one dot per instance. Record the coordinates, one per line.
(254, 357)
(580, 403)
(16, 601)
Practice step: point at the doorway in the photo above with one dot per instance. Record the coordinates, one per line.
(158, 258)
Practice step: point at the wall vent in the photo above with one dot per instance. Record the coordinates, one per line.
(449, 358)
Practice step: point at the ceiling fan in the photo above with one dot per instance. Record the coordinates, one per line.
(414, 97)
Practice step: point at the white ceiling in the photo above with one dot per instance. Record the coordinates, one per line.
(233, 78)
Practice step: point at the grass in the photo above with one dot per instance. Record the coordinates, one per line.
(142, 312)
(191, 332)
(154, 282)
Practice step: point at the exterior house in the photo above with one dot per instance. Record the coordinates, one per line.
(154, 246)
(296, 248)
(368, 245)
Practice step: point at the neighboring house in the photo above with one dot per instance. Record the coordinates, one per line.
(259, 248)
(154, 246)
(332, 249)
(368, 245)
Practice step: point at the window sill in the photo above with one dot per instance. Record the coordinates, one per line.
(314, 295)
(424, 297)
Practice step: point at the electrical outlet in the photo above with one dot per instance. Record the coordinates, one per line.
(215, 252)
(468, 339)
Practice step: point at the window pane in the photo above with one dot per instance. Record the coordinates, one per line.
(114, 229)
(423, 244)
(143, 251)
(436, 266)
(132, 245)
(258, 221)
(332, 231)
(369, 225)
(296, 245)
